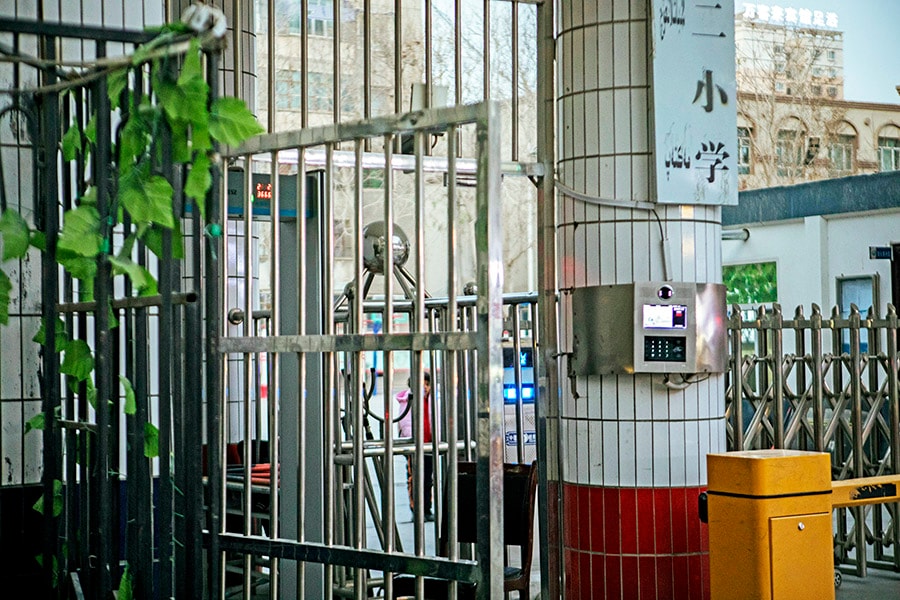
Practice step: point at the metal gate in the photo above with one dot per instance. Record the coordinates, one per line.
(311, 481)
(828, 384)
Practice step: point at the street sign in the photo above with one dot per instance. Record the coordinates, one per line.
(880, 252)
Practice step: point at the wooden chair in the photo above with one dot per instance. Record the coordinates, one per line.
(519, 490)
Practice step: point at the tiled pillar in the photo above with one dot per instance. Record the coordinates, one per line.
(633, 450)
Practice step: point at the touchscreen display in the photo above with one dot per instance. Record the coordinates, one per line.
(665, 316)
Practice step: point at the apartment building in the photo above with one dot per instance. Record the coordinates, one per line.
(794, 123)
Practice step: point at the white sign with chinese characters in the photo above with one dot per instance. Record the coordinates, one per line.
(790, 16)
(695, 101)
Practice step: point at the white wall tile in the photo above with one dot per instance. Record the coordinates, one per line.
(678, 476)
(692, 452)
(595, 452)
(611, 453)
(661, 467)
(583, 451)
(623, 116)
(609, 399)
(644, 453)
(627, 456)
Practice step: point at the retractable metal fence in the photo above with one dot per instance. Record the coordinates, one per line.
(828, 384)
(317, 514)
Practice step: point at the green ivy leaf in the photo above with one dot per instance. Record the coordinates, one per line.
(135, 136)
(57, 499)
(198, 182)
(125, 590)
(89, 198)
(5, 289)
(15, 234)
(184, 99)
(62, 337)
(91, 394)
(90, 132)
(151, 440)
(200, 141)
(38, 240)
(152, 237)
(130, 402)
(115, 85)
(77, 360)
(141, 278)
(231, 122)
(35, 423)
(181, 150)
(80, 242)
(81, 232)
(147, 198)
(71, 142)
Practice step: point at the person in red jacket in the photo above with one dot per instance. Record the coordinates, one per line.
(405, 430)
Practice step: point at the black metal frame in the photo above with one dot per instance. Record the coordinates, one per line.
(107, 521)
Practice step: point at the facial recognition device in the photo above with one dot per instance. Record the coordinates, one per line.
(649, 327)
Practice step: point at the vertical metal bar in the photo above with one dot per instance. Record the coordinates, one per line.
(179, 452)
(457, 51)
(818, 378)
(398, 60)
(271, 108)
(776, 358)
(214, 247)
(893, 368)
(429, 59)
(489, 464)
(546, 374)
(166, 386)
(856, 425)
(451, 511)
(486, 64)
(802, 410)
(330, 414)
(336, 49)
(367, 62)
(248, 360)
(737, 396)
(387, 490)
(273, 377)
(304, 63)
(195, 394)
(517, 374)
(237, 55)
(356, 394)
(70, 561)
(418, 326)
(102, 291)
(302, 210)
(139, 475)
(50, 392)
(514, 76)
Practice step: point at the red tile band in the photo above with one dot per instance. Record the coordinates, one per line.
(634, 543)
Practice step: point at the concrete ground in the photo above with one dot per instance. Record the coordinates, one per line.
(877, 585)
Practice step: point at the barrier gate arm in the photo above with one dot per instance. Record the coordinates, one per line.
(865, 490)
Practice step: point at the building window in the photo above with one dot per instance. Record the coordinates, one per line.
(320, 18)
(889, 153)
(831, 55)
(289, 90)
(743, 156)
(816, 90)
(789, 152)
(841, 154)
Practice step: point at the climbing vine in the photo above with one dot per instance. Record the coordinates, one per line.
(176, 118)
